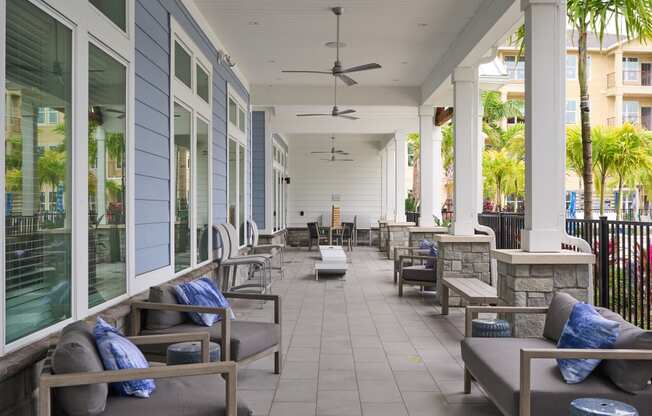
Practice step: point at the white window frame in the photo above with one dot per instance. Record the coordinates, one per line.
(279, 199)
(86, 27)
(233, 132)
(567, 112)
(517, 60)
(188, 98)
(573, 74)
(633, 61)
(627, 114)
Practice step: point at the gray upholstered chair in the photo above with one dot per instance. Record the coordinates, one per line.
(401, 251)
(240, 341)
(347, 235)
(74, 382)
(417, 273)
(275, 250)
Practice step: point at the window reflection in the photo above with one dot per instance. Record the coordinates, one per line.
(183, 181)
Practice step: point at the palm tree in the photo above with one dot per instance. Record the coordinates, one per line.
(604, 157)
(635, 17)
(448, 148)
(414, 144)
(574, 156)
(511, 139)
(496, 110)
(51, 168)
(631, 156)
(501, 171)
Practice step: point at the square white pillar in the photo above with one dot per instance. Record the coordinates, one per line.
(428, 167)
(401, 165)
(437, 172)
(383, 183)
(545, 135)
(466, 176)
(391, 180)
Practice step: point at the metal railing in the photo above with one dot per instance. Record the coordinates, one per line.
(631, 77)
(623, 250)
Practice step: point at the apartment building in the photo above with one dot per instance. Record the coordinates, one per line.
(619, 79)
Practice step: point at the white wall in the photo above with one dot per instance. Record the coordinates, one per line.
(314, 181)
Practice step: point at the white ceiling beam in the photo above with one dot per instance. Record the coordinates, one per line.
(492, 23)
(293, 95)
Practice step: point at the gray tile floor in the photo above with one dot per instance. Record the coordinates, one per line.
(355, 348)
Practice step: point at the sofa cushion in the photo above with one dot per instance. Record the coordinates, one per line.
(559, 310)
(76, 353)
(630, 375)
(247, 337)
(495, 363)
(203, 292)
(585, 328)
(156, 320)
(419, 272)
(197, 396)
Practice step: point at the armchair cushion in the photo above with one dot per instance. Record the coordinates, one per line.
(197, 396)
(202, 292)
(585, 329)
(420, 273)
(247, 337)
(630, 375)
(432, 251)
(156, 320)
(558, 313)
(76, 353)
(118, 353)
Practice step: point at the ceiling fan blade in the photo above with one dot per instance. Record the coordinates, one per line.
(365, 67)
(343, 160)
(349, 117)
(341, 152)
(347, 80)
(312, 115)
(307, 72)
(344, 112)
(326, 153)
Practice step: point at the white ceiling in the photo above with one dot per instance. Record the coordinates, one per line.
(292, 33)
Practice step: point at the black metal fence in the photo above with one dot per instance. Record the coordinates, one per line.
(623, 249)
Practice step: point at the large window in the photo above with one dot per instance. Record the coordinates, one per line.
(191, 163)
(237, 131)
(571, 112)
(107, 128)
(630, 112)
(115, 10)
(631, 69)
(38, 254)
(515, 66)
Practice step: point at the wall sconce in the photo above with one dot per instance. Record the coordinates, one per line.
(287, 180)
(223, 57)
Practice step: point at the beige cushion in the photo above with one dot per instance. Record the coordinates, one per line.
(495, 363)
(76, 353)
(156, 320)
(247, 338)
(559, 311)
(197, 396)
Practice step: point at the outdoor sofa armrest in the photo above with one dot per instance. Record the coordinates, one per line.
(472, 311)
(402, 258)
(48, 381)
(529, 354)
(256, 296)
(225, 321)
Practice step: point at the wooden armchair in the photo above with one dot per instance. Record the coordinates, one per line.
(180, 389)
(416, 273)
(406, 251)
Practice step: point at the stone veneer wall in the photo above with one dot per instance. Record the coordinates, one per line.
(534, 285)
(462, 259)
(398, 235)
(19, 370)
(417, 236)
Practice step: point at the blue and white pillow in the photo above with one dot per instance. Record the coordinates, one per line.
(202, 292)
(585, 328)
(118, 353)
(429, 245)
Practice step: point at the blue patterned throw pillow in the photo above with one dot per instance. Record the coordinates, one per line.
(202, 292)
(118, 353)
(429, 245)
(585, 328)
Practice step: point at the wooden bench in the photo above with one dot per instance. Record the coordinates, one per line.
(474, 291)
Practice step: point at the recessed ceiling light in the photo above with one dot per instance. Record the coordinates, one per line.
(271, 61)
(404, 62)
(254, 23)
(396, 80)
(334, 45)
(422, 24)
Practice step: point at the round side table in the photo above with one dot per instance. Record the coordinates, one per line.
(490, 328)
(601, 407)
(190, 353)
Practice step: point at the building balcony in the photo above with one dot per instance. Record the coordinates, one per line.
(634, 83)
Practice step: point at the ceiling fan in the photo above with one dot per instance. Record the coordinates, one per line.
(334, 159)
(335, 111)
(337, 70)
(333, 151)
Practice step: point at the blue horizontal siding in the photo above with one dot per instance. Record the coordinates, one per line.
(258, 167)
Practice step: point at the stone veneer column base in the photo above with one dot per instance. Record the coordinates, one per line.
(424, 233)
(531, 279)
(397, 236)
(462, 256)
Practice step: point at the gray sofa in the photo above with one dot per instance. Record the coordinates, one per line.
(74, 382)
(521, 377)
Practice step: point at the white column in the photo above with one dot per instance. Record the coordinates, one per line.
(401, 165)
(30, 188)
(383, 184)
(545, 58)
(480, 153)
(437, 172)
(391, 180)
(465, 117)
(100, 160)
(426, 114)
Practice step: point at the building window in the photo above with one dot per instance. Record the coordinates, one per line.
(571, 67)
(631, 69)
(191, 161)
(571, 112)
(515, 66)
(107, 129)
(38, 257)
(237, 131)
(630, 112)
(115, 10)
